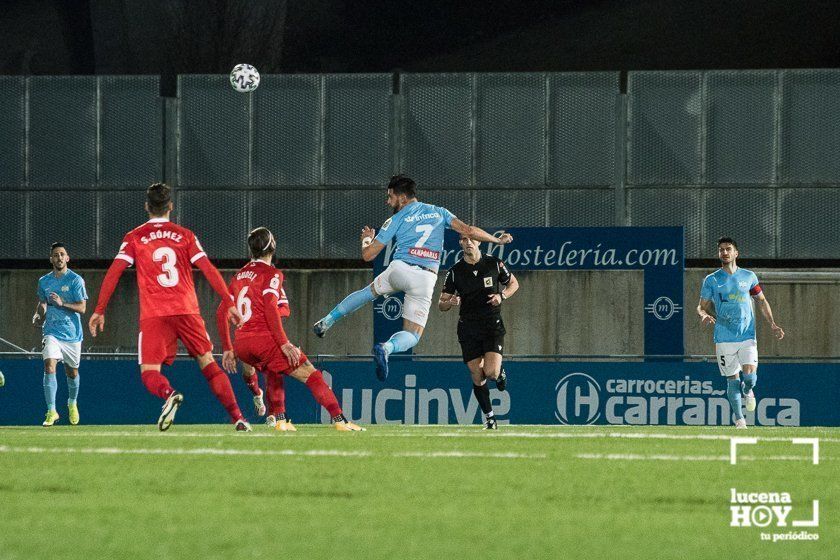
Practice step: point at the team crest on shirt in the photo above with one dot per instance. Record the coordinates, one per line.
(743, 285)
(488, 282)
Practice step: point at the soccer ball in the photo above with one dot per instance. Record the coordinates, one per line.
(2, 379)
(244, 78)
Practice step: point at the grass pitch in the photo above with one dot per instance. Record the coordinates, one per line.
(406, 492)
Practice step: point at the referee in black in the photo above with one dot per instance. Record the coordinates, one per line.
(479, 284)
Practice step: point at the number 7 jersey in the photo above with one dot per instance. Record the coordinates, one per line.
(163, 253)
(418, 233)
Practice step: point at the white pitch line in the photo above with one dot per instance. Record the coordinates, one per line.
(198, 451)
(469, 454)
(725, 458)
(259, 452)
(466, 433)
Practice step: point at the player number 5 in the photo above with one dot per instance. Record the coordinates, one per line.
(167, 256)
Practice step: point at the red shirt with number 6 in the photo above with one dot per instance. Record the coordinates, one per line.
(248, 287)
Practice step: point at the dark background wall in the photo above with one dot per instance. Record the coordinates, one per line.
(169, 37)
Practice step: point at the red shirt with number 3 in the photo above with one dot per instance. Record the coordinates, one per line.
(163, 254)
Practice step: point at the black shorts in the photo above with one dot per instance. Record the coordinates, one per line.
(477, 337)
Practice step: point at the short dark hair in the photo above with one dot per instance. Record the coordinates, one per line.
(727, 240)
(56, 245)
(401, 184)
(261, 242)
(158, 197)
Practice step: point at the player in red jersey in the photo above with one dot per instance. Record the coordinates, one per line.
(164, 253)
(275, 390)
(261, 341)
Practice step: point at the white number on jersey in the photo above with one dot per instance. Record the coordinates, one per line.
(243, 304)
(426, 230)
(170, 277)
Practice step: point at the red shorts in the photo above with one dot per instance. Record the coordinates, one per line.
(263, 353)
(157, 342)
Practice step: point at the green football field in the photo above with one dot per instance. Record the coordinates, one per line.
(408, 492)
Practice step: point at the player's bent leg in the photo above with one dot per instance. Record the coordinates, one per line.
(400, 341)
(222, 389)
(252, 381)
(314, 381)
(154, 381)
(749, 378)
(348, 305)
(492, 365)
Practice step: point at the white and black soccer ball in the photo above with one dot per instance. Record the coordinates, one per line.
(244, 78)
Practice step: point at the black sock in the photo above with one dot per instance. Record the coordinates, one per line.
(482, 395)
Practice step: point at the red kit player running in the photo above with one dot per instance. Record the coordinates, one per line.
(260, 339)
(164, 253)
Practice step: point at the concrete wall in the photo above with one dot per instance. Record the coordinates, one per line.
(569, 312)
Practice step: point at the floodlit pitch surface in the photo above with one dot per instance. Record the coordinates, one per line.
(407, 492)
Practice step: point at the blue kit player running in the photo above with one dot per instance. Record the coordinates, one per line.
(417, 230)
(61, 301)
(728, 292)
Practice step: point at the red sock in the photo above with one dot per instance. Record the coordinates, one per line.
(323, 394)
(275, 391)
(156, 383)
(253, 383)
(221, 387)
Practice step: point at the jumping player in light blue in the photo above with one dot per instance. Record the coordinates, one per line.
(728, 292)
(417, 230)
(62, 299)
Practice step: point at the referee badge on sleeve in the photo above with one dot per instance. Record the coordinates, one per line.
(488, 282)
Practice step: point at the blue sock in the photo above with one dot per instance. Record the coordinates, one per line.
(749, 382)
(400, 342)
(348, 305)
(50, 387)
(733, 393)
(73, 389)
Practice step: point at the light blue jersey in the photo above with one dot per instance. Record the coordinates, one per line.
(418, 233)
(62, 323)
(732, 296)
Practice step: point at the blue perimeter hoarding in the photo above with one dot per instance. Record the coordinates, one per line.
(440, 392)
(659, 251)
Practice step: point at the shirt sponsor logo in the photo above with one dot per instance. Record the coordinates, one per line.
(417, 217)
(424, 253)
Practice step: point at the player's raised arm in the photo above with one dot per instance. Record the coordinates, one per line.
(371, 246)
(475, 232)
